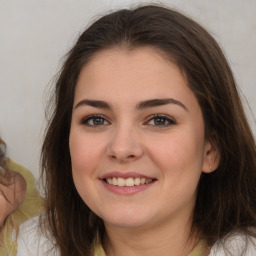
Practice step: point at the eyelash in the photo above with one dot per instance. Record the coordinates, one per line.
(167, 120)
(93, 118)
(158, 117)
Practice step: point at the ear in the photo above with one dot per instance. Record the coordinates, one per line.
(211, 157)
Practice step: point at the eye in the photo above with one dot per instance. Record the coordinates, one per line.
(95, 120)
(161, 120)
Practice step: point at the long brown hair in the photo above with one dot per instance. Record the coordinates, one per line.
(226, 199)
(6, 177)
(2, 153)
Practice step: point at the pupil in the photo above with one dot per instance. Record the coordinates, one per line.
(159, 121)
(97, 121)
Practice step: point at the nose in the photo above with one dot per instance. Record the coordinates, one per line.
(125, 144)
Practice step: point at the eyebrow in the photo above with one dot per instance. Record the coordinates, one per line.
(140, 106)
(159, 102)
(93, 103)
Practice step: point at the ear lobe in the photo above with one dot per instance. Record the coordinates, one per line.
(211, 157)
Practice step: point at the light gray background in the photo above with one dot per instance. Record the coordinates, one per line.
(35, 35)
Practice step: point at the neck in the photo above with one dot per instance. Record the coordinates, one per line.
(162, 240)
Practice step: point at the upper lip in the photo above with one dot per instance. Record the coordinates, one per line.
(125, 175)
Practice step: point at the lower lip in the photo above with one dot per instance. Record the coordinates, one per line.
(127, 190)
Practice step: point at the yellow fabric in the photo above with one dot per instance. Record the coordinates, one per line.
(199, 250)
(31, 207)
(99, 251)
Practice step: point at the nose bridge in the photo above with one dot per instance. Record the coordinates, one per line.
(125, 142)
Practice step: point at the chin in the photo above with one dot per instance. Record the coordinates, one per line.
(126, 220)
(128, 224)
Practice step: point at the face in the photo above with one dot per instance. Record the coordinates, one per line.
(137, 140)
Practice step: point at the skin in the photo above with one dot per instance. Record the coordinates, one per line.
(125, 138)
(11, 195)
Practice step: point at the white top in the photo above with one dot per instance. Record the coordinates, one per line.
(32, 243)
(235, 245)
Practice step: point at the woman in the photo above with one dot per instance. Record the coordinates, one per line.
(19, 201)
(13, 188)
(148, 150)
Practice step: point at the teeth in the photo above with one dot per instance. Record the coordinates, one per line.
(120, 182)
(137, 181)
(129, 182)
(114, 181)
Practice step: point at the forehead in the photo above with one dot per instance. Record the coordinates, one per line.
(124, 78)
(115, 68)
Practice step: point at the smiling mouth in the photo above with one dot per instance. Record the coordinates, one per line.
(128, 182)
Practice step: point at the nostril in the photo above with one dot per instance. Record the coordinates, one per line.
(123, 157)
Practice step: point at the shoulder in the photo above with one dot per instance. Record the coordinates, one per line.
(235, 245)
(32, 242)
(33, 203)
(26, 173)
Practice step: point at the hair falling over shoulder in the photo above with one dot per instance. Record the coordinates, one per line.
(2, 153)
(226, 199)
(6, 177)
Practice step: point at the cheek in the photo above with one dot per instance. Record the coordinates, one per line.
(179, 150)
(84, 161)
(84, 152)
(181, 165)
